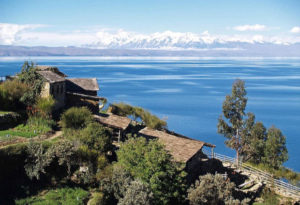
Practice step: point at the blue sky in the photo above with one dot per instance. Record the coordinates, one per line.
(270, 18)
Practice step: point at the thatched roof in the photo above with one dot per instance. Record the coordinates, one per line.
(50, 68)
(51, 76)
(79, 84)
(113, 121)
(181, 148)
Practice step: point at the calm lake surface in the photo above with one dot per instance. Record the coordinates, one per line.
(189, 92)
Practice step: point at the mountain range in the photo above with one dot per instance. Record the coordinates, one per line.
(162, 47)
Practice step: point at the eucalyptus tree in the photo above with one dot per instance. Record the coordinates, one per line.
(237, 124)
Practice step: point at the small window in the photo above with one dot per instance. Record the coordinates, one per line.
(62, 89)
(57, 89)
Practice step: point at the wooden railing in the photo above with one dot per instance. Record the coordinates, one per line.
(265, 177)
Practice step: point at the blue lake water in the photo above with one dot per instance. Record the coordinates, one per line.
(189, 92)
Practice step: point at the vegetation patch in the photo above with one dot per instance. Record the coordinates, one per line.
(74, 196)
(4, 112)
(34, 126)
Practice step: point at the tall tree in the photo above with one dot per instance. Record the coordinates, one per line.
(236, 126)
(275, 151)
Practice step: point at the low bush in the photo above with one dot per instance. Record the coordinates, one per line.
(213, 189)
(76, 118)
(45, 106)
(96, 137)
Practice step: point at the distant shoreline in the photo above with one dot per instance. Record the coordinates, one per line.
(240, 50)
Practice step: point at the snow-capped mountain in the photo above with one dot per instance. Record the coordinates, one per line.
(176, 40)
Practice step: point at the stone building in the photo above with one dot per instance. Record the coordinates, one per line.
(54, 85)
(83, 92)
(69, 92)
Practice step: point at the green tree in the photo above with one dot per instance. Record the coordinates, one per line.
(237, 123)
(151, 163)
(35, 81)
(258, 135)
(275, 151)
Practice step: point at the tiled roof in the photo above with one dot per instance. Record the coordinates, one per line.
(113, 121)
(181, 148)
(50, 68)
(75, 84)
(51, 76)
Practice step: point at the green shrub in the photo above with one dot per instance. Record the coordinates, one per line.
(76, 118)
(96, 137)
(11, 92)
(138, 113)
(70, 196)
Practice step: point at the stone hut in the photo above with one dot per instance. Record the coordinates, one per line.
(183, 149)
(54, 85)
(69, 92)
(119, 124)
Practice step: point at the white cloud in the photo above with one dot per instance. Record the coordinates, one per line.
(295, 29)
(11, 33)
(255, 27)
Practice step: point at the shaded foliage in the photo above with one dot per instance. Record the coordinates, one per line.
(11, 93)
(38, 159)
(275, 149)
(137, 193)
(41, 156)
